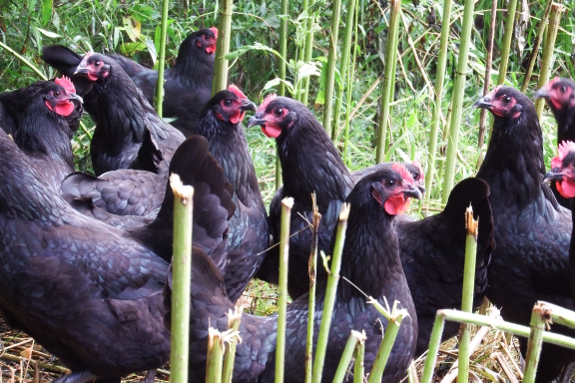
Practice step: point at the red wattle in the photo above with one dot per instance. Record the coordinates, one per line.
(92, 77)
(566, 188)
(210, 49)
(64, 108)
(271, 131)
(396, 204)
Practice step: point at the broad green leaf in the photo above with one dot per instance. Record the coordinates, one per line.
(46, 11)
(31, 6)
(131, 48)
(132, 27)
(49, 34)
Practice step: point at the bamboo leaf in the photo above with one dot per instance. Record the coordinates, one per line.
(46, 11)
(49, 34)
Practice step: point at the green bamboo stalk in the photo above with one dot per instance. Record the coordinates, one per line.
(434, 342)
(308, 48)
(181, 276)
(511, 7)
(349, 24)
(352, 341)
(234, 319)
(220, 81)
(331, 290)
(393, 322)
(467, 295)
(331, 59)
(457, 103)
(348, 92)
(536, 45)
(215, 357)
(535, 342)
(388, 77)
(287, 205)
(312, 270)
(556, 10)
(283, 46)
(560, 315)
(23, 59)
(159, 99)
(359, 357)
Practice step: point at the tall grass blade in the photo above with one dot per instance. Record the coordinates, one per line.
(287, 205)
(511, 7)
(388, 78)
(538, 321)
(159, 99)
(181, 277)
(220, 81)
(536, 44)
(312, 269)
(331, 290)
(556, 10)
(457, 103)
(331, 59)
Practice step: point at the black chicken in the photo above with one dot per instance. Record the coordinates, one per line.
(14, 104)
(89, 293)
(43, 133)
(560, 96)
(188, 85)
(220, 123)
(371, 249)
(532, 230)
(431, 250)
(129, 133)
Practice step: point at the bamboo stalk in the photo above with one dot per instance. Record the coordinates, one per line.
(348, 92)
(181, 277)
(220, 81)
(358, 365)
(457, 103)
(560, 315)
(23, 59)
(352, 342)
(308, 48)
(234, 319)
(487, 82)
(467, 295)
(331, 290)
(312, 270)
(556, 10)
(388, 78)
(159, 99)
(349, 24)
(538, 321)
(511, 7)
(331, 59)
(287, 205)
(283, 46)
(215, 357)
(536, 45)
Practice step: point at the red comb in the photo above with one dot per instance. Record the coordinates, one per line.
(65, 83)
(564, 148)
(269, 98)
(215, 30)
(235, 90)
(402, 171)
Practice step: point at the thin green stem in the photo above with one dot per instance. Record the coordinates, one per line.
(331, 290)
(234, 319)
(352, 341)
(535, 342)
(181, 276)
(215, 357)
(434, 342)
(536, 44)
(21, 58)
(331, 59)
(312, 270)
(388, 78)
(358, 365)
(220, 81)
(283, 45)
(159, 99)
(349, 92)
(308, 49)
(457, 103)
(506, 41)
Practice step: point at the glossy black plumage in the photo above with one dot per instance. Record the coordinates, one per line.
(532, 230)
(129, 133)
(188, 85)
(427, 246)
(560, 96)
(14, 104)
(220, 123)
(371, 248)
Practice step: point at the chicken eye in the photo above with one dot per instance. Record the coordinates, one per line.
(506, 98)
(97, 63)
(278, 111)
(563, 89)
(57, 93)
(390, 182)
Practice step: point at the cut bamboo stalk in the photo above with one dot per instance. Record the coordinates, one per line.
(354, 338)
(536, 45)
(343, 68)
(538, 321)
(556, 10)
(511, 7)
(358, 365)
(388, 78)
(215, 357)
(287, 205)
(331, 290)
(159, 99)
(283, 46)
(234, 319)
(220, 81)
(457, 103)
(467, 295)
(560, 315)
(181, 277)
(331, 59)
(312, 270)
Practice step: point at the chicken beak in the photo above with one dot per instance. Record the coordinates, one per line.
(484, 103)
(542, 93)
(248, 105)
(553, 176)
(255, 120)
(81, 70)
(75, 97)
(413, 192)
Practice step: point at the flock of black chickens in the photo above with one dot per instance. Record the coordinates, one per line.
(85, 259)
